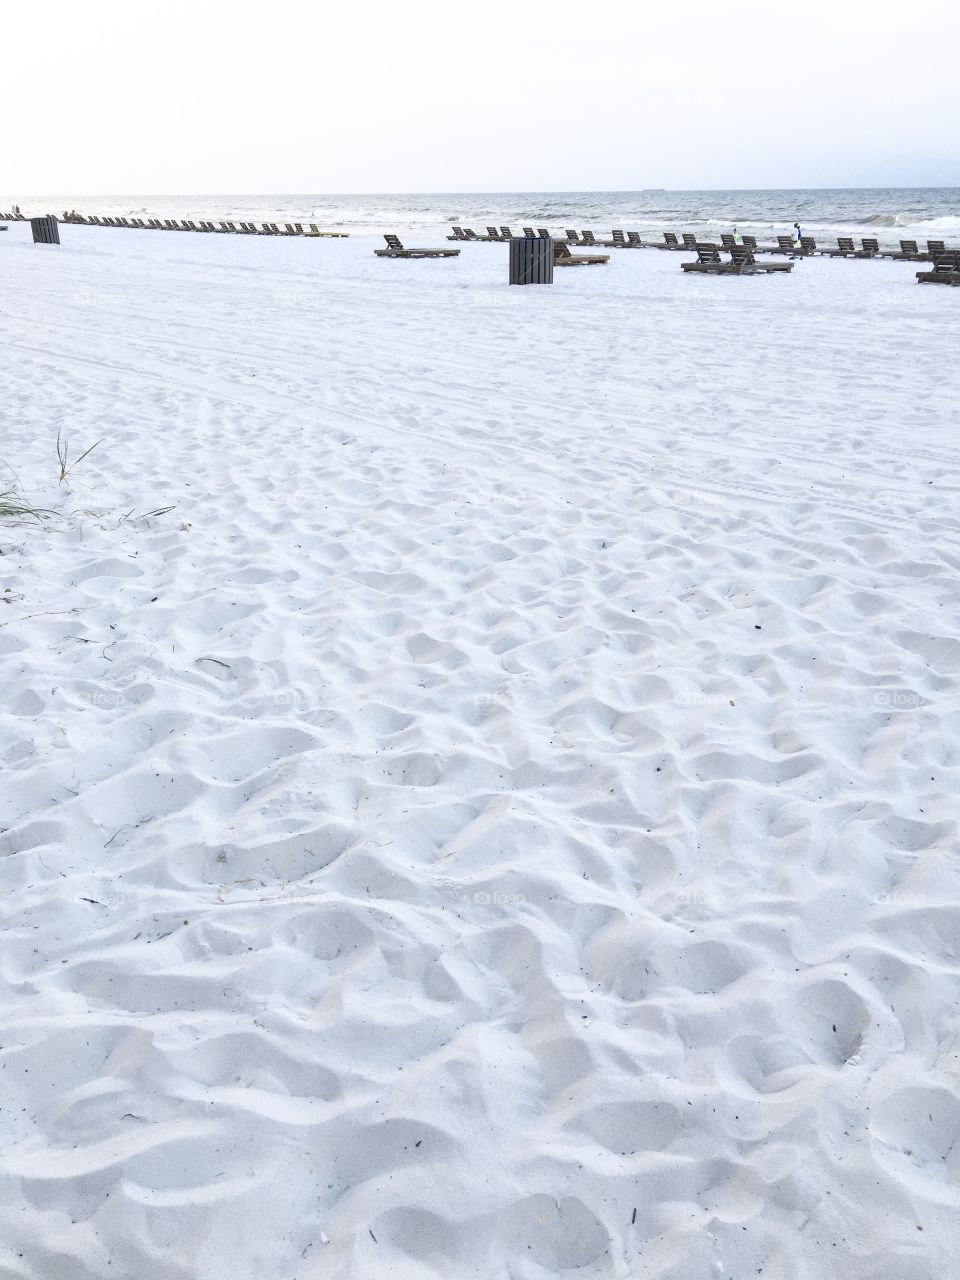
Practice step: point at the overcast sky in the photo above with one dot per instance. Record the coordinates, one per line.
(283, 96)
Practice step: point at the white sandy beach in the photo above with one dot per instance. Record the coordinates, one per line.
(502, 821)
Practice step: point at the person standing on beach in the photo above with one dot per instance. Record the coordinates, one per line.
(737, 237)
(796, 233)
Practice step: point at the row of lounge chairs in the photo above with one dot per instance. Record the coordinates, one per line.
(807, 245)
(223, 228)
(502, 235)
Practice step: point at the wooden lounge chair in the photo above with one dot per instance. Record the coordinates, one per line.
(562, 257)
(633, 240)
(726, 240)
(689, 239)
(470, 234)
(808, 246)
(871, 249)
(290, 229)
(745, 262)
(493, 234)
(588, 238)
(845, 248)
(529, 233)
(751, 243)
(935, 247)
(708, 261)
(946, 269)
(619, 239)
(458, 234)
(787, 244)
(573, 237)
(670, 241)
(395, 249)
(542, 231)
(506, 233)
(909, 252)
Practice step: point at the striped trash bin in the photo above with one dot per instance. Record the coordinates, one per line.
(531, 260)
(45, 230)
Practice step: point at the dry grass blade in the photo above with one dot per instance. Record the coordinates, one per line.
(63, 455)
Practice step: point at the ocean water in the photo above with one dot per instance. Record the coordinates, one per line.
(889, 213)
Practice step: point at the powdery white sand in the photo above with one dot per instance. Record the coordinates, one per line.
(503, 822)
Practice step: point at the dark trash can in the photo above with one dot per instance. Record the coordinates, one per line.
(531, 260)
(45, 230)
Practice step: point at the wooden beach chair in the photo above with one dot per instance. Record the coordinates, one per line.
(395, 249)
(619, 239)
(708, 262)
(909, 252)
(845, 248)
(871, 248)
(946, 269)
(808, 246)
(935, 247)
(529, 233)
(689, 240)
(745, 263)
(470, 234)
(589, 239)
(562, 257)
(542, 231)
(726, 240)
(458, 234)
(572, 237)
(493, 234)
(633, 240)
(670, 241)
(506, 233)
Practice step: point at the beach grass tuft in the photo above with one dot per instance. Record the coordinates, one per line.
(13, 506)
(63, 455)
